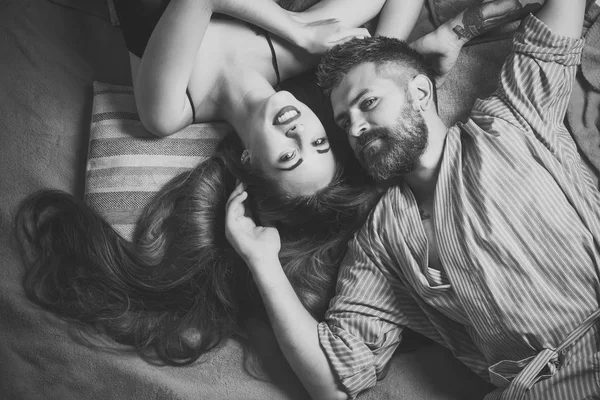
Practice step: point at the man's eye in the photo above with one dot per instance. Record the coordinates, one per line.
(319, 142)
(368, 103)
(287, 156)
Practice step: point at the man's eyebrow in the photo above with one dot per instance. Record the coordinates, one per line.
(357, 98)
(300, 161)
(338, 119)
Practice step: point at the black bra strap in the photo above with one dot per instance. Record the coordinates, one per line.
(274, 58)
(189, 96)
(275, 67)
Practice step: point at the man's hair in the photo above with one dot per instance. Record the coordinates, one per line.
(380, 50)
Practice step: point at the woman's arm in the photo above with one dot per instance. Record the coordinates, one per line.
(294, 327)
(169, 59)
(166, 66)
(398, 18)
(351, 13)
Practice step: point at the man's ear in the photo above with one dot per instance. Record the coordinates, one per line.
(421, 90)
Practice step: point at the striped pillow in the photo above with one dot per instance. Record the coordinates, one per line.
(126, 165)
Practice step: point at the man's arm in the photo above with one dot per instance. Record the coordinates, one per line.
(537, 78)
(442, 46)
(481, 18)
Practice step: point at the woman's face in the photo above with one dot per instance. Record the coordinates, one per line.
(288, 144)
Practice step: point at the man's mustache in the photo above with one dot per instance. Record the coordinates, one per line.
(370, 135)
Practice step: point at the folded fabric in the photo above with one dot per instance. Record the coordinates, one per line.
(590, 60)
(583, 112)
(114, 18)
(97, 8)
(127, 165)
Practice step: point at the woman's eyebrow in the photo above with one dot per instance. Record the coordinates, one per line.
(324, 150)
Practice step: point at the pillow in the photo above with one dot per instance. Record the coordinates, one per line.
(127, 165)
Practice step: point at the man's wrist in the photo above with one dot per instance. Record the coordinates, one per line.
(483, 17)
(448, 36)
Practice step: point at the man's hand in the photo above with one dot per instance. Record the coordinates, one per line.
(481, 18)
(440, 51)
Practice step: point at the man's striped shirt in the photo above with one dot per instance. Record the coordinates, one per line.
(517, 224)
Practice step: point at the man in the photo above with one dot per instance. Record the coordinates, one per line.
(488, 240)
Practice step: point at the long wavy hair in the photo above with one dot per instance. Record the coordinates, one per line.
(178, 288)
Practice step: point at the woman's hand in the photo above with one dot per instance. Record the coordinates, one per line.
(255, 244)
(319, 36)
(440, 49)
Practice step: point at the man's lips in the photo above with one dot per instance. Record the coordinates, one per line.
(286, 115)
(370, 143)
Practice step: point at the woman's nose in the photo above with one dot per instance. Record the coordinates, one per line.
(295, 130)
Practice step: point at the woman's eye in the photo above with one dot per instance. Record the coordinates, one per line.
(287, 156)
(319, 142)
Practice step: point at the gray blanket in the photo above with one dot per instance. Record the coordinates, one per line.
(49, 57)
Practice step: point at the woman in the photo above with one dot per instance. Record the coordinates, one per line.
(179, 288)
(195, 68)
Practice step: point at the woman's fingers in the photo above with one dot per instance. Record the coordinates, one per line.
(236, 192)
(323, 22)
(235, 203)
(349, 34)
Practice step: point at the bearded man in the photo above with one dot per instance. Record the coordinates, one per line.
(488, 238)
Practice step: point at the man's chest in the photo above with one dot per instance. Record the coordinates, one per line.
(426, 213)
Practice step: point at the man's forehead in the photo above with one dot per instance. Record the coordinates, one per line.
(358, 81)
(355, 80)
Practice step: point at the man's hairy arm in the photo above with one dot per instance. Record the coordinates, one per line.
(442, 46)
(481, 18)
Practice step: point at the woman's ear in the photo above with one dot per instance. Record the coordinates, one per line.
(245, 158)
(421, 90)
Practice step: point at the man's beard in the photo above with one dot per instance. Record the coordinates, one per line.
(400, 149)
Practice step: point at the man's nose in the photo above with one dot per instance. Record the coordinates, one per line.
(358, 127)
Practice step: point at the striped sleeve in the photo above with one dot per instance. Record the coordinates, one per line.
(536, 81)
(363, 324)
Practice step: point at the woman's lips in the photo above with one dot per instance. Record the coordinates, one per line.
(286, 115)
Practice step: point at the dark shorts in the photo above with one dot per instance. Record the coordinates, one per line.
(137, 19)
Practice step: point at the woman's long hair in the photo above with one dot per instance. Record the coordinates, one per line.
(178, 288)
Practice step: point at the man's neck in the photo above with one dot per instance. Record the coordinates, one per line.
(424, 179)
